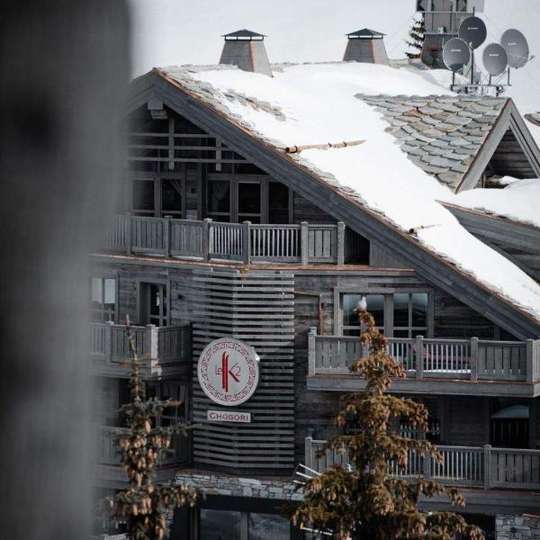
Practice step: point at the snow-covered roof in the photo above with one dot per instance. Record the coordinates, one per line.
(519, 201)
(314, 104)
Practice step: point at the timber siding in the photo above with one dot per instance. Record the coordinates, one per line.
(256, 307)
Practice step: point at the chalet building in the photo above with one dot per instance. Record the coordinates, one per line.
(259, 207)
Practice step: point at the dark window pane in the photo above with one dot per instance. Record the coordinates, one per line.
(401, 333)
(249, 198)
(375, 305)
(171, 196)
(219, 196)
(219, 525)
(263, 526)
(401, 310)
(419, 309)
(143, 195)
(278, 203)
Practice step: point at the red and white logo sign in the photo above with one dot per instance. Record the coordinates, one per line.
(228, 371)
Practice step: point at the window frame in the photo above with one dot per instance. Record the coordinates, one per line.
(102, 310)
(388, 294)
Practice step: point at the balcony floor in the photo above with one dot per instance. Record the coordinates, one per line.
(429, 385)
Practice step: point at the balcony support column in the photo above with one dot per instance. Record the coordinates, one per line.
(151, 342)
(474, 359)
(312, 353)
(304, 241)
(419, 357)
(487, 466)
(340, 251)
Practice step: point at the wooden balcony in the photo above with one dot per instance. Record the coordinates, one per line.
(108, 457)
(466, 466)
(434, 366)
(244, 243)
(163, 351)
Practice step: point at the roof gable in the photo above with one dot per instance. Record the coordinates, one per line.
(454, 138)
(196, 102)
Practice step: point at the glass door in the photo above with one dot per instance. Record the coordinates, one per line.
(154, 304)
(249, 202)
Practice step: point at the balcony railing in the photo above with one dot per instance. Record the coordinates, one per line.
(246, 242)
(472, 359)
(108, 450)
(466, 466)
(157, 347)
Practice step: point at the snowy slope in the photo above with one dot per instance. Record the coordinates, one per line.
(315, 103)
(519, 201)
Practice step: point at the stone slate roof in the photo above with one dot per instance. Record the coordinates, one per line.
(440, 134)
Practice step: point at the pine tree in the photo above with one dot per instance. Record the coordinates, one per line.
(365, 500)
(144, 505)
(416, 37)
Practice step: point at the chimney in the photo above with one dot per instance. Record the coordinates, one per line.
(366, 46)
(246, 50)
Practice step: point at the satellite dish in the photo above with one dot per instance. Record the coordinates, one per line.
(516, 47)
(473, 31)
(495, 59)
(456, 54)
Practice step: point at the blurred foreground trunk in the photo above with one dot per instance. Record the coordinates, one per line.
(64, 68)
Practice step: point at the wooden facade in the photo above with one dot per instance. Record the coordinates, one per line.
(218, 236)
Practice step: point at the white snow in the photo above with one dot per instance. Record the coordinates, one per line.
(519, 201)
(319, 107)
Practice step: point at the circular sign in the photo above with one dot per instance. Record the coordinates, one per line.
(228, 371)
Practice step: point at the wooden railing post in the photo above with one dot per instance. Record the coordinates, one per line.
(206, 238)
(340, 253)
(108, 345)
(304, 242)
(530, 375)
(426, 467)
(309, 452)
(246, 241)
(312, 352)
(487, 466)
(167, 236)
(151, 342)
(474, 359)
(419, 357)
(128, 226)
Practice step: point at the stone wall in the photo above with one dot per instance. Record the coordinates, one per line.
(234, 486)
(525, 527)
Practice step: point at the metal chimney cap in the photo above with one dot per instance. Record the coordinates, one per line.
(365, 33)
(244, 34)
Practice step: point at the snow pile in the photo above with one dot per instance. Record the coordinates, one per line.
(318, 105)
(519, 201)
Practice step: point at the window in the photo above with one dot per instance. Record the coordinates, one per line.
(219, 524)
(172, 197)
(103, 299)
(153, 304)
(278, 203)
(219, 200)
(375, 303)
(249, 202)
(403, 315)
(410, 314)
(143, 197)
(263, 526)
